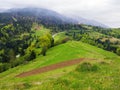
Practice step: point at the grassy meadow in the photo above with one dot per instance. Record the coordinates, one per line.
(66, 78)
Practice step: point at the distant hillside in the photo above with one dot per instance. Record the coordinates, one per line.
(45, 16)
(40, 15)
(82, 20)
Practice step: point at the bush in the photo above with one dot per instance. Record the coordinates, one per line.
(118, 51)
(62, 81)
(62, 41)
(22, 60)
(44, 50)
(27, 85)
(75, 85)
(22, 86)
(65, 40)
(32, 55)
(17, 62)
(4, 67)
(86, 67)
(57, 43)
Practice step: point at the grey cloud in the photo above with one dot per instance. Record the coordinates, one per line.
(105, 11)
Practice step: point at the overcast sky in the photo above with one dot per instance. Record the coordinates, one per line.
(104, 11)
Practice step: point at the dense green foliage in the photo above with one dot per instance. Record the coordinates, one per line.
(14, 40)
(18, 43)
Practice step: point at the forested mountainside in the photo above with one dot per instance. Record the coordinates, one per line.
(28, 33)
(42, 49)
(40, 15)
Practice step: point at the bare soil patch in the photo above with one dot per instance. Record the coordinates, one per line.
(50, 67)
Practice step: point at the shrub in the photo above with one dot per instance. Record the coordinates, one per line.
(57, 43)
(65, 40)
(32, 55)
(118, 51)
(86, 67)
(62, 81)
(4, 67)
(62, 41)
(22, 86)
(75, 85)
(44, 50)
(27, 85)
(17, 62)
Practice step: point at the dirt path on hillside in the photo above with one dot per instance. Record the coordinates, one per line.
(50, 67)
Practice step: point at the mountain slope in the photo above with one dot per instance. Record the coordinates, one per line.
(40, 15)
(45, 16)
(82, 20)
(67, 51)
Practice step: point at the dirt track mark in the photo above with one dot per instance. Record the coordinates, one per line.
(50, 67)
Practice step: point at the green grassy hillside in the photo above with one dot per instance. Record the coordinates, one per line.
(68, 51)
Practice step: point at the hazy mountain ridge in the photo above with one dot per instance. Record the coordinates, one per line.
(38, 14)
(41, 14)
(82, 20)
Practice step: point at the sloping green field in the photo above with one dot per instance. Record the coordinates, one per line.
(108, 73)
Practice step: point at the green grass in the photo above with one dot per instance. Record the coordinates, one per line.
(68, 51)
(106, 78)
(41, 31)
(59, 37)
